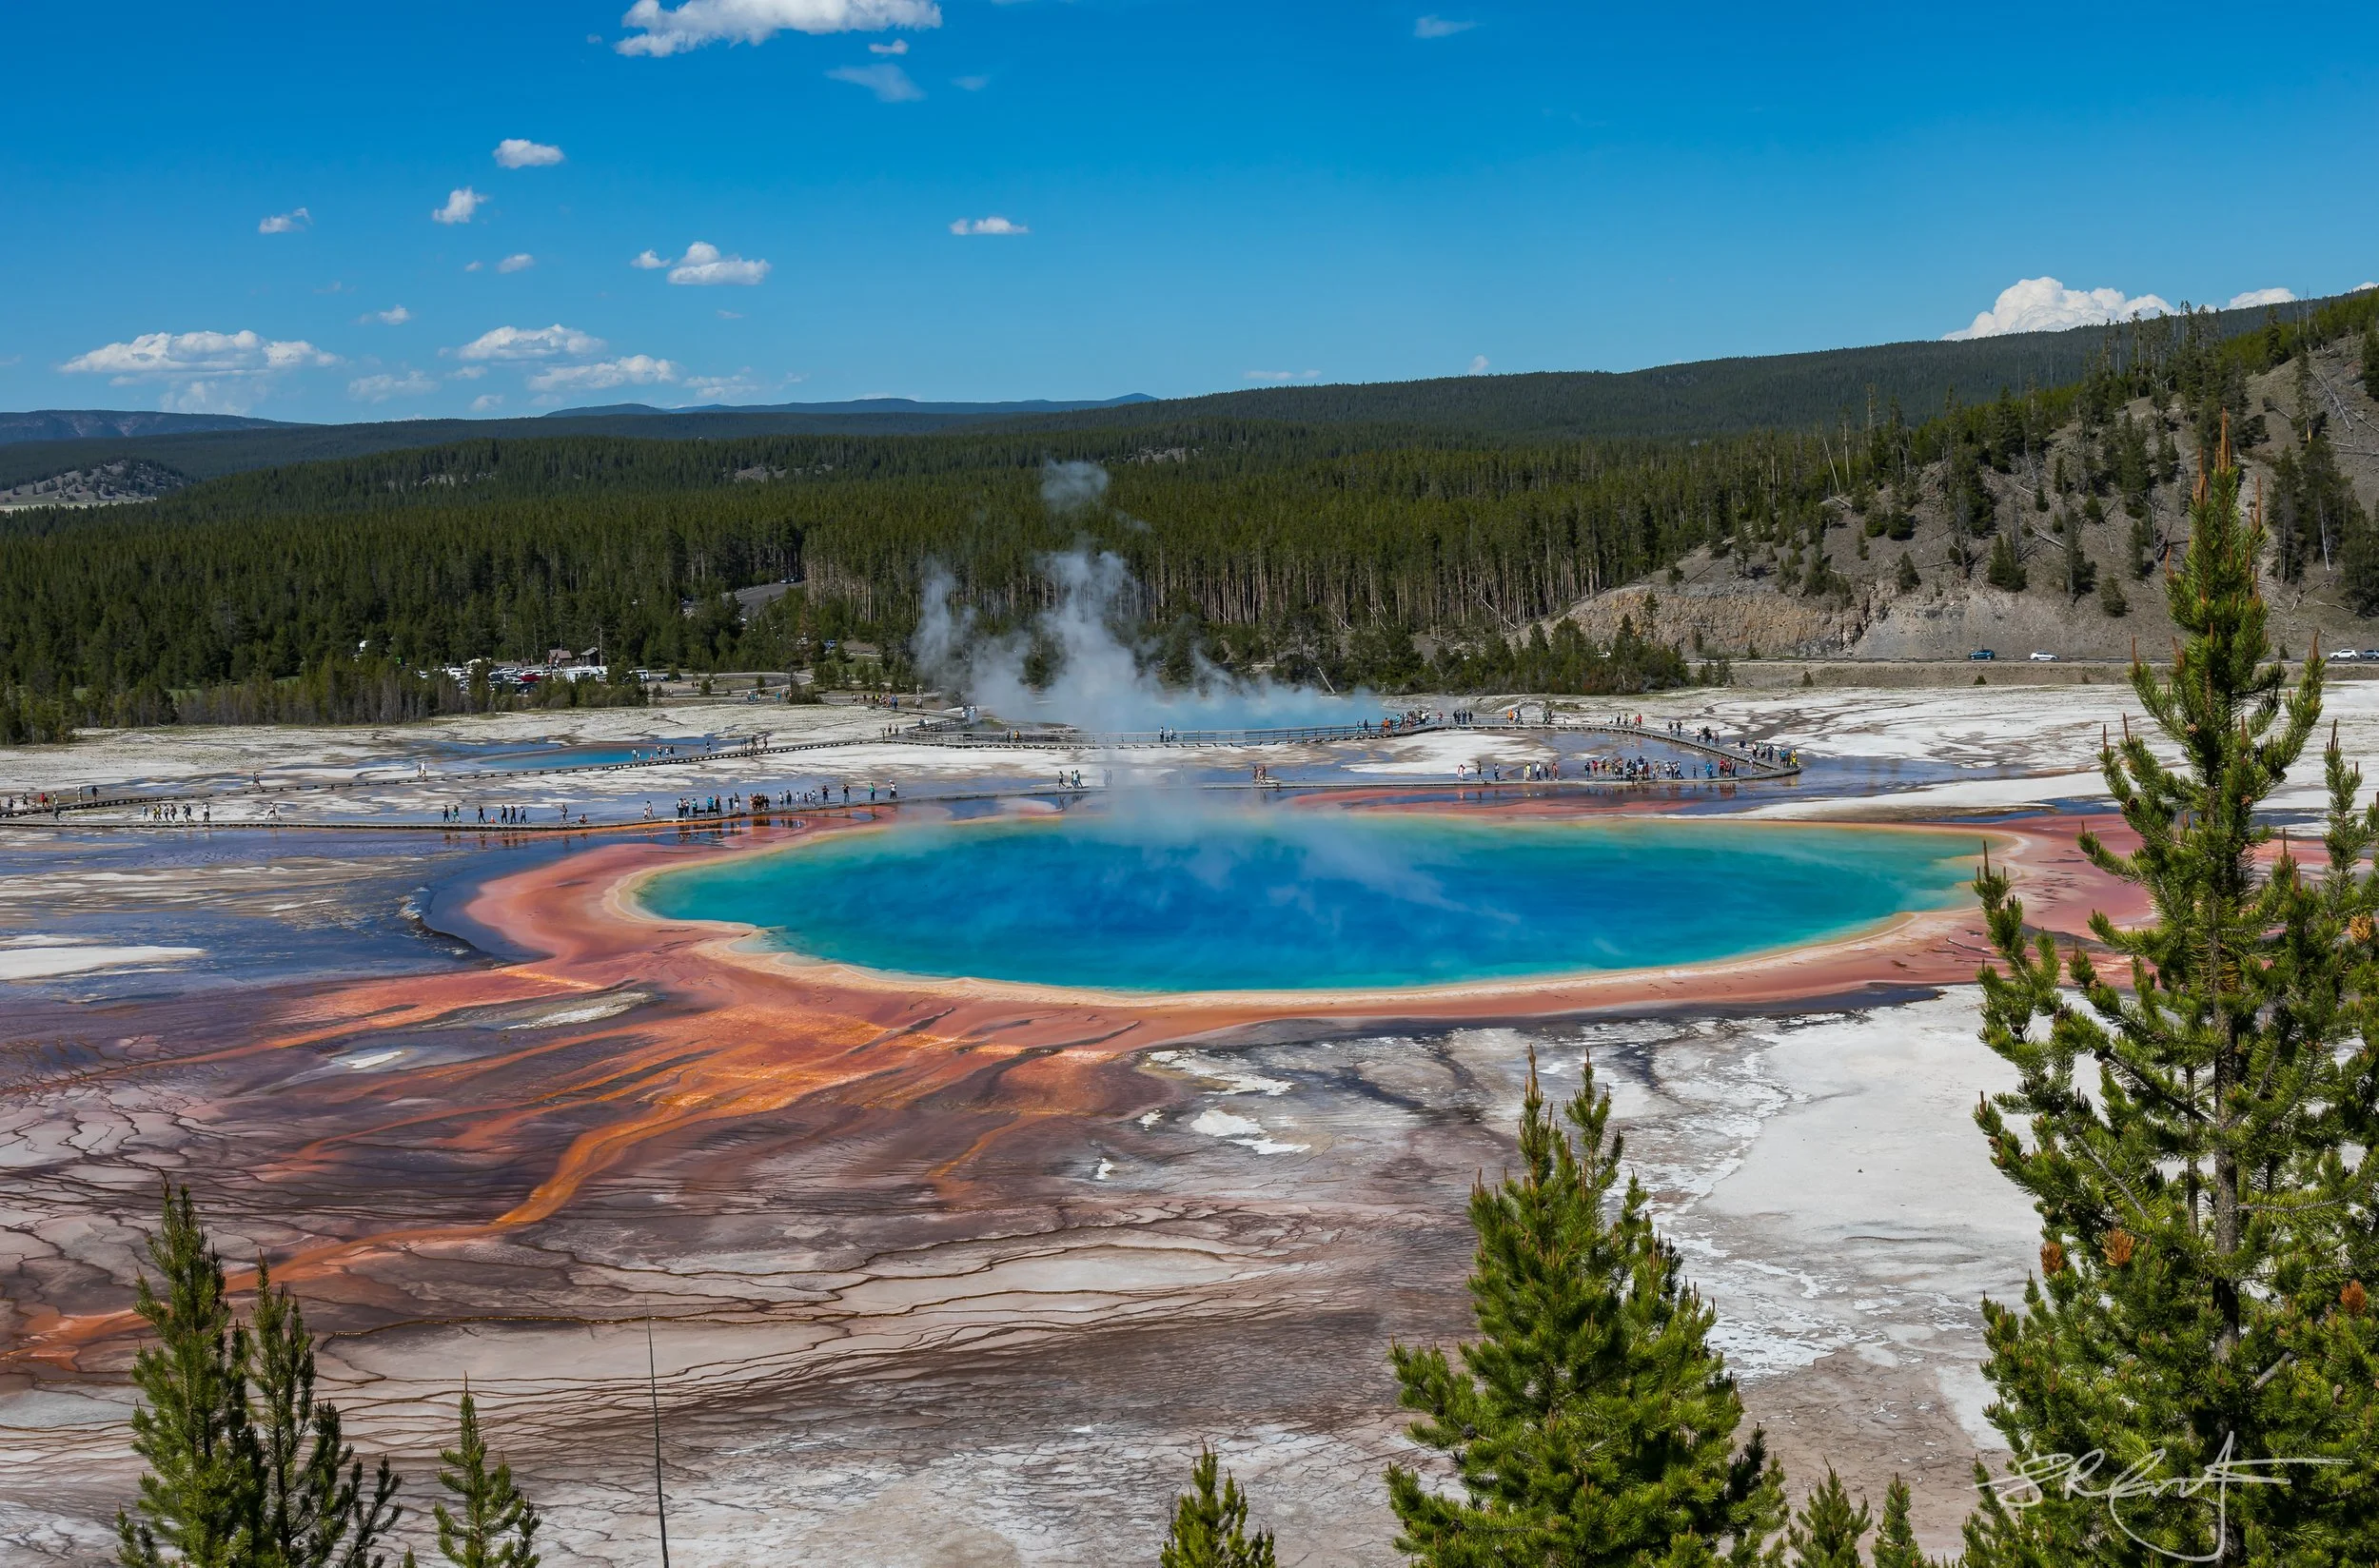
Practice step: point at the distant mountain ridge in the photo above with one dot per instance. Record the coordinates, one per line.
(49, 425)
(862, 405)
(1700, 399)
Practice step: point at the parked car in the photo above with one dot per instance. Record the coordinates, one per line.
(1981, 656)
(2370, 653)
(2344, 653)
(2043, 659)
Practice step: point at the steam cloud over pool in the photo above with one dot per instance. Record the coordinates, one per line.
(1285, 900)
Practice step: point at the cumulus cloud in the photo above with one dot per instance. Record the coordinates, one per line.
(970, 84)
(2261, 296)
(1438, 26)
(993, 225)
(164, 356)
(486, 400)
(381, 387)
(649, 262)
(521, 342)
(286, 223)
(461, 203)
(520, 261)
(634, 370)
(396, 315)
(520, 152)
(204, 372)
(890, 83)
(1279, 376)
(703, 265)
(898, 46)
(2043, 304)
(1478, 365)
(663, 30)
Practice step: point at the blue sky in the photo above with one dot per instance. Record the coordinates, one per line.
(1204, 194)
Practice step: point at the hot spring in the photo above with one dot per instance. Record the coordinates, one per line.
(1254, 900)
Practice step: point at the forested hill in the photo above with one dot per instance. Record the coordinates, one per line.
(1709, 398)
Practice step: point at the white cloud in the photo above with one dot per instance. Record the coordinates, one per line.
(649, 262)
(204, 372)
(635, 370)
(1279, 376)
(1438, 26)
(970, 84)
(396, 315)
(473, 267)
(2043, 304)
(166, 356)
(486, 400)
(699, 22)
(1478, 365)
(993, 225)
(2261, 296)
(703, 265)
(723, 388)
(286, 223)
(380, 388)
(730, 315)
(898, 46)
(890, 83)
(469, 373)
(518, 152)
(461, 203)
(518, 343)
(518, 262)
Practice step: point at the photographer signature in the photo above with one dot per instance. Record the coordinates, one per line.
(2074, 1475)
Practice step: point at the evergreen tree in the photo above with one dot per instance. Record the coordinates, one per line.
(247, 1469)
(198, 1499)
(1828, 1531)
(2080, 574)
(2111, 598)
(1895, 1537)
(314, 1509)
(1210, 1528)
(2207, 1209)
(1591, 1423)
(2371, 359)
(493, 1524)
(1906, 577)
(2005, 570)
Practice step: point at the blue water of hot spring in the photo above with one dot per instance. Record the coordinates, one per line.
(1256, 900)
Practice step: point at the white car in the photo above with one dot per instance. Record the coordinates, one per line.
(2044, 658)
(2342, 655)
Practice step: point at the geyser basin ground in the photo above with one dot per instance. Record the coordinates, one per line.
(1274, 901)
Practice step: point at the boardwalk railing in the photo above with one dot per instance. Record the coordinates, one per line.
(1744, 763)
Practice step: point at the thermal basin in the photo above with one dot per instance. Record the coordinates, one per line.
(1295, 900)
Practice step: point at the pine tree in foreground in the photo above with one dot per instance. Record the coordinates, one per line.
(1828, 1530)
(197, 1499)
(1590, 1424)
(493, 1523)
(2207, 1203)
(246, 1468)
(1895, 1537)
(1210, 1527)
(314, 1509)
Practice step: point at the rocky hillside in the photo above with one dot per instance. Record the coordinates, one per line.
(100, 484)
(1886, 596)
